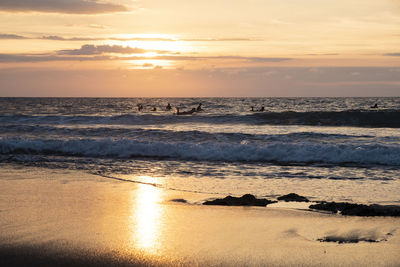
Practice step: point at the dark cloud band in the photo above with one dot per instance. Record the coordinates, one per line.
(61, 6)
(83, 38)
(102, 49)
(12, 36)
(96, 55)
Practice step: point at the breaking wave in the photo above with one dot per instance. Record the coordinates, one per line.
(280, 152)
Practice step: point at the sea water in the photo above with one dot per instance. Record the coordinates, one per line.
(337, 149)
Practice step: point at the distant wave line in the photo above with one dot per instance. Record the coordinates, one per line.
(355, 118)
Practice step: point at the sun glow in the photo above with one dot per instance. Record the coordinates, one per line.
(156, 46)
(150, 64)
(158, 43)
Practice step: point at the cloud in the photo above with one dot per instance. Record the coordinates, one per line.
(97, 26)
(60, 38)
(326, 54)
(7, 58)
(88, 38)
(94, 53)
(234, 39)
(51, 37)
(61, 6)
(264, 59)
(248, 59)
(12, 36)
(102, 49)
(392, 54)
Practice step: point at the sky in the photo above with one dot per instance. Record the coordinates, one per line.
(187, 48)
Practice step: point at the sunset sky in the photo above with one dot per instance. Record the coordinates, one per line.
(202, 48)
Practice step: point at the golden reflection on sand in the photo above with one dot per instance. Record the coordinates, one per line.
(146, 218)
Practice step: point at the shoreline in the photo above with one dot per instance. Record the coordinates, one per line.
(88, 221)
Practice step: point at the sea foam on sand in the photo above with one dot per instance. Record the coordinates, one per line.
(56, 217)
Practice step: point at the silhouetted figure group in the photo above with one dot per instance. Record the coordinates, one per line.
(140, 107)
(177, 112)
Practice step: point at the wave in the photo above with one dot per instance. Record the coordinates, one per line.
(277, 152)
(354, 118)
(102, 131)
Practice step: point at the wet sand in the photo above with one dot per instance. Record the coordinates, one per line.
(71, 218)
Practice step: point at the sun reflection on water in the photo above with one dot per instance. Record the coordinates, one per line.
(146, 218)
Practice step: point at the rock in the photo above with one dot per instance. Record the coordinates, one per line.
(245, 200)
(355, 236)
(357, 209)
(342, 240)
(293, 197)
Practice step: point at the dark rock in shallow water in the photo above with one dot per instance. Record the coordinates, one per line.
(355, 236)
(342, 240)
(357, 209)
(293, 197)
(245, 200)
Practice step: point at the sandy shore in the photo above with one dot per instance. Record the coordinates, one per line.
(70, 218)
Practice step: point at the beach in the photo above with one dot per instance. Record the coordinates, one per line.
(96, 181)
(63, 217)
(199, 133)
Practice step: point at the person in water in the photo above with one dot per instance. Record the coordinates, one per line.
(154, 109)
(140, 107)
(199, 107)
(375, 106)
(193, 110)
(168, 107)
(261, 109)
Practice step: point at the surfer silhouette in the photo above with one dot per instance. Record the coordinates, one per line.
(375, 106)
(168, 107)
(189, 112)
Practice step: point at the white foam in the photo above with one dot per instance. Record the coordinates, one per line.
(301, 152)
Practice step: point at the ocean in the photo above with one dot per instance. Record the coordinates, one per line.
(334, 149)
